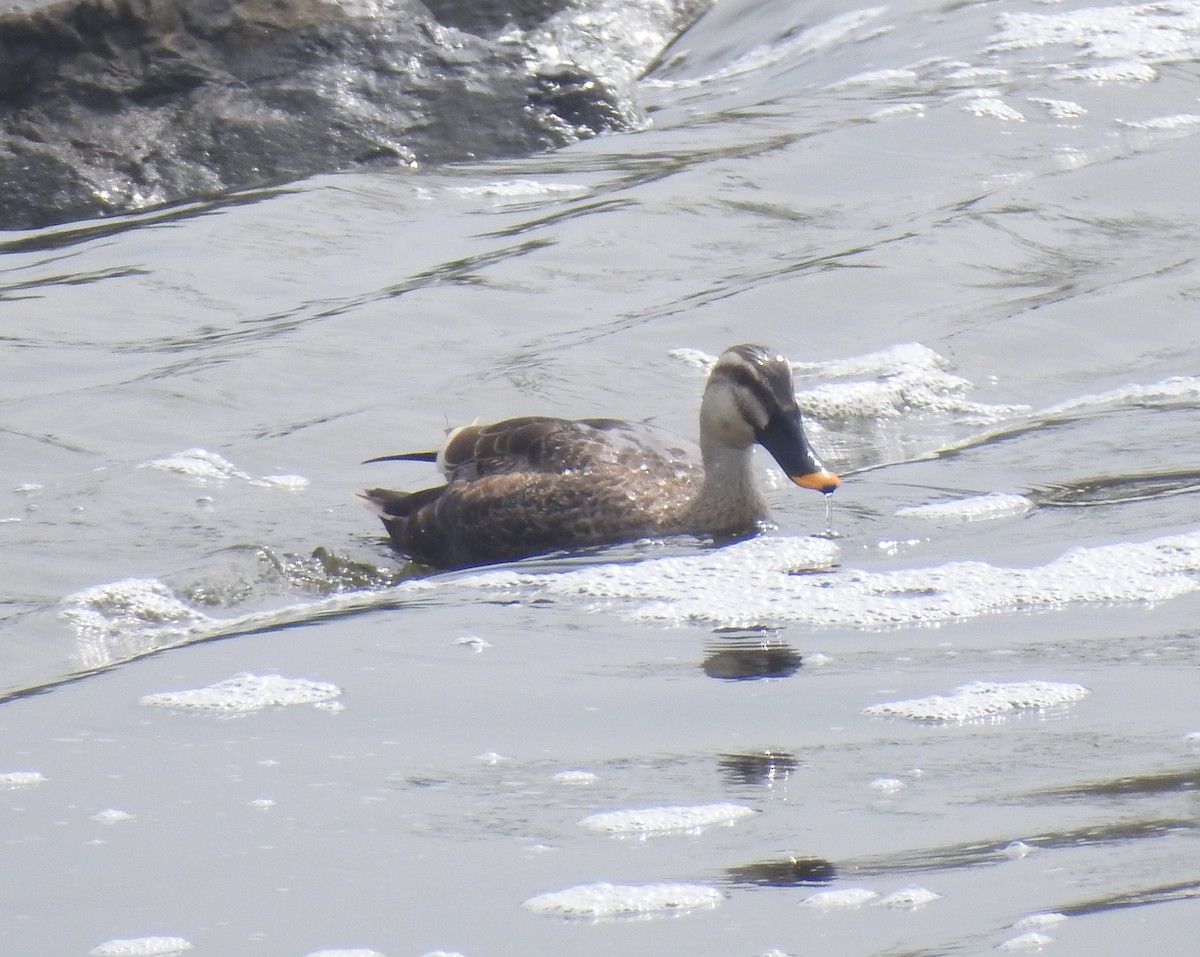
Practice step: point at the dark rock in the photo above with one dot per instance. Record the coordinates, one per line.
(113, 105)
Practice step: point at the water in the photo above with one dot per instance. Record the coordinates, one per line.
(993, 321)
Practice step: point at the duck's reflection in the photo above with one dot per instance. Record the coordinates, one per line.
(784, 872)
(763, 768)
(749, 657)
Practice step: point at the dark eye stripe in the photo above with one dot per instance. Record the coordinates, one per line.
(775, 395)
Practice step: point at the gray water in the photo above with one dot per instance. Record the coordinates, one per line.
(973, 227)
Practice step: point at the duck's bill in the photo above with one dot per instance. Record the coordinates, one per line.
(784, 438)
(822, 481)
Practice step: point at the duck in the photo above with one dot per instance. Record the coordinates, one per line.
(536, 485)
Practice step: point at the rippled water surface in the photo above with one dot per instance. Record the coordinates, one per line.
(965, 720)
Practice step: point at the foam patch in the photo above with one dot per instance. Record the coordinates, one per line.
(244, 693)
(11, 780)
(575, 776)
(603, 900)
(1043, 919)
(909, 898)
(1031, 941)
(141, 947)
(108, 611)
(899, 381)
(775, 580)
(663, 820)
(204, 467)
(355, 952)
(843, 899)
(982, 699)
(976, 508)
(1168, 31)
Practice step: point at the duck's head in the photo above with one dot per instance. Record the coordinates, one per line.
(750, 398)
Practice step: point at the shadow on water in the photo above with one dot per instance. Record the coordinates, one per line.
(1118, 489)
(983, 853)
(1157, 894)
(63, 237)
(1142, 785)
(464, 271)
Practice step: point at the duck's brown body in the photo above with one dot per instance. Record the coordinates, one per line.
(533, 485)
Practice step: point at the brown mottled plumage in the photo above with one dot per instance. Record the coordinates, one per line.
(536, 484)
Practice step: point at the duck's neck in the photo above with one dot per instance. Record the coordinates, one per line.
(729, 499)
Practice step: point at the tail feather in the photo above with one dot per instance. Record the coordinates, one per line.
(399, 505)
(404, 457)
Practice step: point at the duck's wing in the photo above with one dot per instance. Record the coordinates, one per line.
(497, 518)
(545, 445)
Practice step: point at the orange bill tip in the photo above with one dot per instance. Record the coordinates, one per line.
(822, 481)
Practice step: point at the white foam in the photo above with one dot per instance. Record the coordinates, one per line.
(112, 816)
(11, 780)
(604, 900)
(519, 190)
(140, 947)
(292, 483)
(204, 468)
(975, 508)
(663, 820)
(886, 79)
(1017, 850)
(1178, 121)
(843, 899)
(1031, 941)
(339, 952)
(575, 777)
(769, 580)
(902, 380)
(909, 898)
(837, 30)
(1159, 32)
(1172, 392)
(995, 108)
(1128, 71)
(981, 699)
(899, 109)
(977, 74)
(104, 615)
(473, 642)
(132, 599)
(244, 693)
(888, 785)
(1060, 109)
(121, 620)
(1045, 919)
